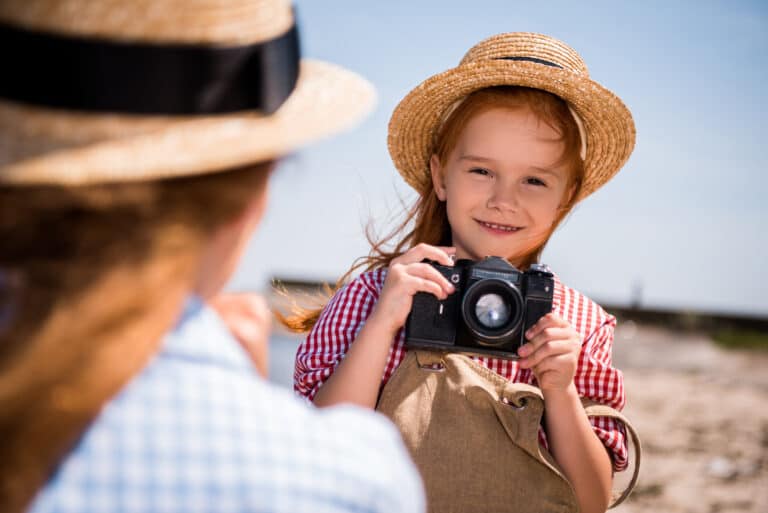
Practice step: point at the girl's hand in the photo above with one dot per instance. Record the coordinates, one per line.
(249, 319)
(552, 352)
(408, 275)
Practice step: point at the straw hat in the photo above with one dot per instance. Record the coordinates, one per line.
(100, 91)
(521, 59)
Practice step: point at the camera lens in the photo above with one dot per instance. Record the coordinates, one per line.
(492, 311)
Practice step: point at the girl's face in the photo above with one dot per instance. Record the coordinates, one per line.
(501, 183)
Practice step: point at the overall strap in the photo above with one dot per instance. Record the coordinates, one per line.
(430, 360)
(595, 409)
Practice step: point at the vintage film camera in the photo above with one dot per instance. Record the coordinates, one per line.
(488, 314)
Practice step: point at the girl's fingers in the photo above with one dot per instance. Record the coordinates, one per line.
(548, 321)
(407, 282)
(554, 364)
(427, 272)
(548, 351)
(412, 276)
(440, 254)
(550, 333)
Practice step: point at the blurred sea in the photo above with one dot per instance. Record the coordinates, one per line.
(282, 351)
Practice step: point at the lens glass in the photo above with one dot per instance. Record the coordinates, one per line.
(492, 311)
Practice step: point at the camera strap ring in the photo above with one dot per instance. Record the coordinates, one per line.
(519, 405)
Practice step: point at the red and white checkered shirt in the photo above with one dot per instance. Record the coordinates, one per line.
(344, 316)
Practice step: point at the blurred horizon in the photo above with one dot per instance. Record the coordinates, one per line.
(681, 227)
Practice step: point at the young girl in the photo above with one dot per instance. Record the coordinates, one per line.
(499, 149)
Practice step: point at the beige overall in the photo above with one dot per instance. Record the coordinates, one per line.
(474, 437)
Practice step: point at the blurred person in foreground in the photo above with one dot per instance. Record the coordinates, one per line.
(136, 141)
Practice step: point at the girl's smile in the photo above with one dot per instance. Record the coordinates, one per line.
(502, 183)
(497, 228)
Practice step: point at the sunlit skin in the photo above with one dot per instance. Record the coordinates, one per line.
(501, 183)
(246, 314)
(503, 191)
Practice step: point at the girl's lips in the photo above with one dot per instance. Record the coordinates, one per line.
(498, 228)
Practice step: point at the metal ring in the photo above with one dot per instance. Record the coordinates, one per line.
(433, 367)
(523, 402)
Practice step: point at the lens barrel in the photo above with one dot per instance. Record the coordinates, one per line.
(492, 310)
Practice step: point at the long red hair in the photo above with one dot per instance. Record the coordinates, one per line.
(427, 220)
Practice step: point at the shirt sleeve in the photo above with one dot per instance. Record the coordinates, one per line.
(329, 340)
(598, 380)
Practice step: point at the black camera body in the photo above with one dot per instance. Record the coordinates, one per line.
(488, 314)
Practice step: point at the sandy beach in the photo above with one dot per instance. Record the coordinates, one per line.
(702, 414)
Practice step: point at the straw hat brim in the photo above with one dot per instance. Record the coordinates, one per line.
(119, 148)
(607, 121)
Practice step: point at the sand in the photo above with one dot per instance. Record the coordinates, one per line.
(702, 415)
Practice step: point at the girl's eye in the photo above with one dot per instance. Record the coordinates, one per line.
(479, 171)
(535, 181)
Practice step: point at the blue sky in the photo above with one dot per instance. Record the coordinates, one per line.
(686, 220)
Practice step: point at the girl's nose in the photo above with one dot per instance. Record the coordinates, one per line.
(503, 197)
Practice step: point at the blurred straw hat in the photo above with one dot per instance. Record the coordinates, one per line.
(520, 59)
(100, 91)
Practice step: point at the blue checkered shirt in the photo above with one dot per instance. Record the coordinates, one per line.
(199, 431)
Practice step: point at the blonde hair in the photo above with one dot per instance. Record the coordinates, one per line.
(428, 216)
(91, 278)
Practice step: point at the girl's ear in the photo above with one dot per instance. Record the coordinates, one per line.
(568, 198)
(438, 182)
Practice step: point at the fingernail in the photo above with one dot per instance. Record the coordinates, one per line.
(523, 351)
